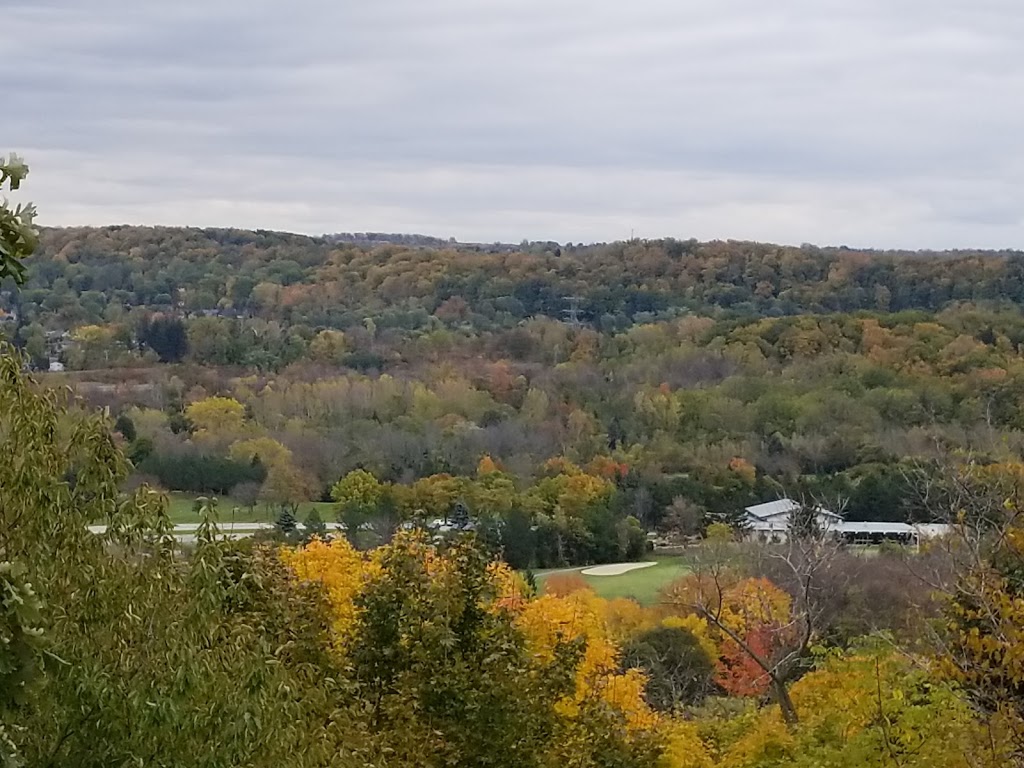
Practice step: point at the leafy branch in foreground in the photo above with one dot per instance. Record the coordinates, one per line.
(18, 236)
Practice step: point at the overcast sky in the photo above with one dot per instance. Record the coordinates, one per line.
(893, 123)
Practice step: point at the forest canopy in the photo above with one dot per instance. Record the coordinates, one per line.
(694, 378)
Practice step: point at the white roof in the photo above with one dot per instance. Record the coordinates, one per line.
(771, 508)
(780, 507)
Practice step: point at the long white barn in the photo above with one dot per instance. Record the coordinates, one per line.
(770, 522)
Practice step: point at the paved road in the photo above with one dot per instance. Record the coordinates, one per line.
(183, 529)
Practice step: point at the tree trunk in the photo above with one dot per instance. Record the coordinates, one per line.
(781, 696)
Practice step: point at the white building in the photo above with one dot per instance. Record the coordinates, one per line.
(770, 522)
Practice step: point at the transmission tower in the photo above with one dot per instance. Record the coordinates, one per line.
(572, 313)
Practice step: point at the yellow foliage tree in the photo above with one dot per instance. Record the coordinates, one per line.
(216, 417)
(570, 494)
(601, 696)
(359, 488)
(548, 621)
(328, 347)
(984, 645)
(342, 571)
(431, 496)
(754, 603)
(270, 452)
(493, 494)
(684, 747)
(870, 709)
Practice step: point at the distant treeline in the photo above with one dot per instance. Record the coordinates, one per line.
(84, 275)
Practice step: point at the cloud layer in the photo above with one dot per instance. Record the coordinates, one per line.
(865, 122)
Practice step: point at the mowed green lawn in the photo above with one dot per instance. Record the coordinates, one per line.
(643, 584)
(180, 509)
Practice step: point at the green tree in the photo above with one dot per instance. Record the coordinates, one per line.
(18, 237)
(232, 676)
(518, 539)
(165, 335)
(447, 677)
(285, 522)
(679, 671)
(358, 495)
(314, 525)
(94, 669)
(126, 427)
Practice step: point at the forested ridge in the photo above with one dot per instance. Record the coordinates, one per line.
(323, 283)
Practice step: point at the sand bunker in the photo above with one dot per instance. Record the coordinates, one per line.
(615, 570)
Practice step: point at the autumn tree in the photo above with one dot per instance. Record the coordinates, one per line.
(266, 450)
(983, 574)
(770, 637)
(287, 486)
(328, 347)
(445, 643)
(216, 418)
(869, 707)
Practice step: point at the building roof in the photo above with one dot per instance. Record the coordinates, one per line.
(773, 516)
(771, 508)
(779, 507)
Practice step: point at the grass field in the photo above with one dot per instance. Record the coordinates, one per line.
(642, 585)
(180, 510)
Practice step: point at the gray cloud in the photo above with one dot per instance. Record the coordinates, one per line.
(866, 122)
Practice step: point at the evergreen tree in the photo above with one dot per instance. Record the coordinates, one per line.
(315, 525)
(166, 336)
(460, 516)
(285, 521)
(126, 427)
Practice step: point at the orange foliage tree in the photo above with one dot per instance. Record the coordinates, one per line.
(564, 584)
